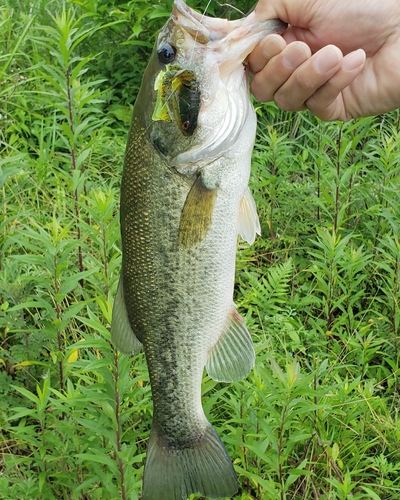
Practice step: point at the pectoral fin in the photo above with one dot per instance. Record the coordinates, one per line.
(196, 214)
(248, 223)
(232, 357)
(122, 335)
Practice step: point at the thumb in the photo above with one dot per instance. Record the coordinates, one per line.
(294, 12)
(267, 9)
(298, 14)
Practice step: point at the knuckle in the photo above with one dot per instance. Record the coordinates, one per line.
(261, 90)
(285, 101)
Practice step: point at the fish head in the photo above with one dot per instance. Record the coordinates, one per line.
(196, 85)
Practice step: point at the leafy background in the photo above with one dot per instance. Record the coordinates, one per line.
(318, 418)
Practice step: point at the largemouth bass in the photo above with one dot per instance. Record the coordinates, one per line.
(184, 200)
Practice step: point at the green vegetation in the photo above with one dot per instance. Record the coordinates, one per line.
(318, 418)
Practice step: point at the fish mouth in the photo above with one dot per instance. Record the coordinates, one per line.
(212, 31)
(178, 98)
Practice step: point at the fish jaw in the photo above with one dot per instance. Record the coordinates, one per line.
(232, 41)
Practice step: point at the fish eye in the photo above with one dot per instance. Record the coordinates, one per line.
(166, 53)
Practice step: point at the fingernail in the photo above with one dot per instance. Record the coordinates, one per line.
(295, 55)
(326, 59)
(353, 60)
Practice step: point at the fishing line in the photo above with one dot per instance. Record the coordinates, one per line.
(231, 7)
(201, 21)
(205, 10)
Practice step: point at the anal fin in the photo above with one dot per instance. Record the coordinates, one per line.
(122, 335)
(196, 214)
(232, 357)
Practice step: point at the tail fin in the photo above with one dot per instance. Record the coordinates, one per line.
(173, 474)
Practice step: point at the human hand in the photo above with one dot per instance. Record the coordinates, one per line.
(339, 59)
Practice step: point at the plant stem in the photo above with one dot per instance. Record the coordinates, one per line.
(395, 307)
(319, 175)
(337, 192)
(74, 168)
(58, 317)
(105, 263)
(118, 428)
(280, 448)
(350, 188)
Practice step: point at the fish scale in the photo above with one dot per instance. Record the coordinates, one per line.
(184, 200)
